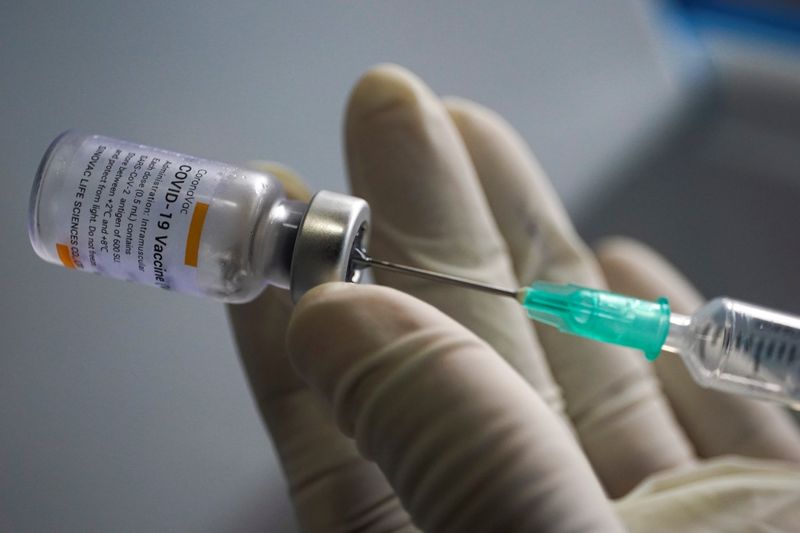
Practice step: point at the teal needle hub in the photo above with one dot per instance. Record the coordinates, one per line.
(599, 315)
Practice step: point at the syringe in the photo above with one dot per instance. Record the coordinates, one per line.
(727, 345)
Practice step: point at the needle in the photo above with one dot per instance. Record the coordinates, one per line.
(360, 257)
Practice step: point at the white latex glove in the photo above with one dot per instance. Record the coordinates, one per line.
(481, 421)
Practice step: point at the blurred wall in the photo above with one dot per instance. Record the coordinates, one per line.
(124, 408)
(717, 190)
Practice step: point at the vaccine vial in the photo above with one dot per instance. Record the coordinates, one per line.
(182, 223)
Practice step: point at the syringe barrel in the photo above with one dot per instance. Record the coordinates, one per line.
(743, 349)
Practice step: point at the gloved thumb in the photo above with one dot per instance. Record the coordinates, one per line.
(464, 441)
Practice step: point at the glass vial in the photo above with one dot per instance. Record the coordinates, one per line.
(182, 223)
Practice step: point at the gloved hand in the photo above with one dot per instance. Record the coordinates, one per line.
(445, 409)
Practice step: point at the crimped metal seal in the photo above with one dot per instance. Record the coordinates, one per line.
(333, 225)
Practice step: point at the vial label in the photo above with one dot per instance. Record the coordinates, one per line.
(134, 212)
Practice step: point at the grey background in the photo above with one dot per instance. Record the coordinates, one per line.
(717, 189)
(124, 408)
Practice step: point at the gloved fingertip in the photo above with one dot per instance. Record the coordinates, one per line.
(293, 184)
(313, 314)
(624, 257)
(336, 322)
(475, 120)
(465, 112)
(619, 248)
(383, 87)
(458, 105)
(634, 268)
(615, 254)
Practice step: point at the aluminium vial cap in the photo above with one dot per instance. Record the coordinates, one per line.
(333, 226)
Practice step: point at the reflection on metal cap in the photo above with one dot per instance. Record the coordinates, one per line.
(333, 225)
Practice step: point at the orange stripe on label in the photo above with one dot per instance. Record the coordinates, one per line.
(65, 256)
(195, 230)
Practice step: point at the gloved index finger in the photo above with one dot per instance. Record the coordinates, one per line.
(407, 160)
